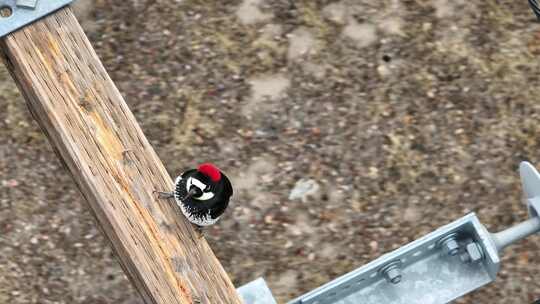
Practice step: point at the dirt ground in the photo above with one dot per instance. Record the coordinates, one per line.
(349, 128)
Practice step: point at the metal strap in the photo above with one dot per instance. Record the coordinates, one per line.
(256, 292)
(19, 13)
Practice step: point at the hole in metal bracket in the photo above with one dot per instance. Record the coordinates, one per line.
(6, 11)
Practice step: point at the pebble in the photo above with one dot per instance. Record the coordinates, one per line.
(303, 189)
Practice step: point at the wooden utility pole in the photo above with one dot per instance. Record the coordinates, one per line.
(89, 124)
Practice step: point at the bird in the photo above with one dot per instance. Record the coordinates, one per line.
(202, 194)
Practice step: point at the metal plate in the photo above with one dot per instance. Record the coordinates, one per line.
(25, 12)
(429, 276)
(256, 292)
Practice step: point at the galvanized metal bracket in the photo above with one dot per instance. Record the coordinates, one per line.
(429, 270)
(256, 292)
(15, 14)
(437, 268)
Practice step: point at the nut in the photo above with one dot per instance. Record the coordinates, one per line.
(392, 272)
(449, 244)
(393, 275)
(473, 253)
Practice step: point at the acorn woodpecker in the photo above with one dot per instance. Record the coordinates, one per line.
(202, 194)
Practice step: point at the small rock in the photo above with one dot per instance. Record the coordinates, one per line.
(303, 189)
(384, 71)
(268, 219)
(269, 86)
(363, 34)
(249, 12)
(264, 88)
(335, 12)
(374, 246)
(295, 230)
(316, 70)
(373, 172)
(444, 8)
(301, 42)
(412, 214)
(271, 31)
(12, 183)
(392, 26)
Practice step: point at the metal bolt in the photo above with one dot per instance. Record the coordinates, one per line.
(392, 272)
(27, 3)
(451, 247)
(473, 253)
(393, 275)
(450, 244)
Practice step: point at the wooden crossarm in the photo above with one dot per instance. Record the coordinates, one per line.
(90, 126)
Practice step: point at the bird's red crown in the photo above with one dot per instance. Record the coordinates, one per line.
(211, 171)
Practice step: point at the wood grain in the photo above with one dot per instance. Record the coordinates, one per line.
(90, 126)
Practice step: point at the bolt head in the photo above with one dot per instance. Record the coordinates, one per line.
(451, 247)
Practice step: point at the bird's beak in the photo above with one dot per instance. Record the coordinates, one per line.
(193, 191)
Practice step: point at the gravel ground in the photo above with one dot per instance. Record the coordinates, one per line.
(348, 127)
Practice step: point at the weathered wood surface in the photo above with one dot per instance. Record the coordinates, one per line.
(89, 124)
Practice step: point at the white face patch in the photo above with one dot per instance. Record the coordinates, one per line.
(197, 183)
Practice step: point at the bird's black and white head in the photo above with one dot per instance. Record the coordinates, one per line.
(202, 192)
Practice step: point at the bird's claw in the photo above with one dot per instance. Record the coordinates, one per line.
(164, 195)
(199, 231)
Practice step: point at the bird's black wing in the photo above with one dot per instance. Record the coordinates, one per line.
(227, 186)
(219, 209)
(226, 194)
